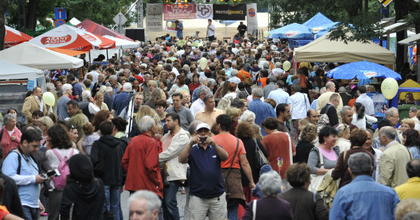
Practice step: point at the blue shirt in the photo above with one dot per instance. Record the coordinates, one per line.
(77, 90)
(313, 105)
(120, 102)
(205, 179)
(364, 199)
(28, 190)
(62, 107)
(179, 30)
(280, 96)
(415, 152)
(262, 111)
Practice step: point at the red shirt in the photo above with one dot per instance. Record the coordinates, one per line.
(141, 163)
(277, 146)
(228, 142)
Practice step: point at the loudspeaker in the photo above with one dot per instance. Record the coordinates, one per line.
(135, 34)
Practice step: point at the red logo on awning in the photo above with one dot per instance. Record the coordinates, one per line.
(56, 40)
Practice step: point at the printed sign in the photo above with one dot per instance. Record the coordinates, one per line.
(229, 12)
(252, 20)
(179, 11)
(154, 17)
(204, 11)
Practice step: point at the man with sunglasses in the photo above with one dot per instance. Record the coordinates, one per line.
(22, 168)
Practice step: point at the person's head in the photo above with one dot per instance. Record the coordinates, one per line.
(408, 209)
(234, 113)
(30, 140)
(72, 107)
(177, 100)
(81, 169)
(203, 91)
(343, 131)
(407, 123)
(330, 86)
(413, 168)
(283, 112)
(409, 97)
(12, 111)
(257, 93)
(144, 205)
(244, 130)
(209, 21)
(270, 183)
(59, 137)
(411, 138)
(37, 92)
(102, 115)
(209, 102)
(224, 122)
(413, 112)
(45, 123)
(202, 130)
(328, 136)
(393, 116)
(361, 90)
(335, 99)
(67, 89)
(386, 135)
(269, 124)
(106, 128)
(308, 133)
(358, 137)
(298, 175)
(368, 144)
(119, 123)
(173, 121)
(127, 87)
(313, 116)
(360, 164)
(346, 115)
(359, 109)
(9, 121)
(248, 116)
(146, 124)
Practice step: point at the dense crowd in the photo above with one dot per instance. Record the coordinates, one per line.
(233, 125)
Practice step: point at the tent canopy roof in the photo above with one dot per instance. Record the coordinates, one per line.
(410, 39)
(317, 20)
(292, 31)
(100, 30)
(31, 55)
(13, 71)
(324, 50)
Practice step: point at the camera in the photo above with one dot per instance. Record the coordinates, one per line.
(203, 139)
(54, 173)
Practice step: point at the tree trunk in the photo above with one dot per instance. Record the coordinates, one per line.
(31, 19)
(3, 8)
(401, 11)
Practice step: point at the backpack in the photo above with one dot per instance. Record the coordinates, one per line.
(324, 119)
(63, 168)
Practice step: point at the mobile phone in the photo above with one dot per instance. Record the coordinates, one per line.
(54, 173)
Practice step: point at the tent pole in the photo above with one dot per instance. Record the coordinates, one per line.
(90, 58)
(107, 58)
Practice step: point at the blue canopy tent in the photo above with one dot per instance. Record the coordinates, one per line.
(319, 24)
(297, 34)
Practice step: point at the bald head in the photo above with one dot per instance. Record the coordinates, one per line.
(386, 135)
(413, 168)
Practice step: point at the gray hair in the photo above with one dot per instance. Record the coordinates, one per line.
(413, 109)
(273, 79)
(211, 82)
(390, 112)
(334, 96)
(146, 123)
(86, 95)
(245, 116)
(278, 65)
(322, 90)
(234, 72)
(201, 79)
(50, 86)
(345, 109)
(152, 200)
(108, 89)
(127, 87)
(360, 164)
(329, 85)
(193, 126)
(207, 97)
(66, 87)
(203, 90)
(224, 103)
(8, 117)
(388, 132)
(266, 65)
(258, 92)
(113, 77)
(270, 183)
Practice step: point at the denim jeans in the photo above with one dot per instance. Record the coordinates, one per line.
(170, 206)
(232, 207)
(112, 201)
(30, 213)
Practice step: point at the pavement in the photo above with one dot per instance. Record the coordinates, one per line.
(124, 205)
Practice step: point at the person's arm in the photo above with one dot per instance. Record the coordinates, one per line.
(175, 148)
(10, 167)
(183, 157)
(80, 147)
(332, 114)
(371, 119)
(386, 169)
(26, 110)
(339, 169)
(12, 217)
(313, 161)
(125, 159)
(223, 155)
(152, 163)
(247, 169)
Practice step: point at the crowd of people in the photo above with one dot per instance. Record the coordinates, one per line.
(242, 133)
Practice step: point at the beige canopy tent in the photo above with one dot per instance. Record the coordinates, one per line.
(324, 50)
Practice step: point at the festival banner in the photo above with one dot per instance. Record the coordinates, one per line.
(252, 20)
(179, 11)
(204, 11)
(229, 12)
(171, 26)
(154, 17)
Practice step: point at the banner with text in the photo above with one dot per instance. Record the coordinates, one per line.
(204, 11)
(229, 12)
(252, 20)
(154, 17)
(179, 11)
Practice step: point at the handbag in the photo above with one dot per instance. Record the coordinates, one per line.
(259, 156)
(316, 180)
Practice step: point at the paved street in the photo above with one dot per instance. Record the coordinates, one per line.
(124, 204)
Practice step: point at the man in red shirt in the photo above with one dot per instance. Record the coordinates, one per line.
(141, 160)
(233, 184)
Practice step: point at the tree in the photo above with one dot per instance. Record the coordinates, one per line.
(3, 8)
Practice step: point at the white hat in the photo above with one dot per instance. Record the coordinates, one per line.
(202, 125)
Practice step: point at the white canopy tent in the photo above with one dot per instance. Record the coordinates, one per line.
(324, 50)
(123, 44)
(10, 70)
(410, 39)
(30, 55)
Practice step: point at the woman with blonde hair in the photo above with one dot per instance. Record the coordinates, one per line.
(234, 113)
(223, 104)
(44, 123)
(343, 134)
(303, 148)
(143, 111)
(98, 104)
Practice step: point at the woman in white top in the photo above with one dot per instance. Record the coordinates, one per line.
(58, 142)
(98, 104)
(343, 141)
(360, 118)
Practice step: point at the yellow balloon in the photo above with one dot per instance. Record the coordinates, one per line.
(48, 98)
(389, 88)
(169, 24)
(203, 63)
(266, 33)
(287, 65)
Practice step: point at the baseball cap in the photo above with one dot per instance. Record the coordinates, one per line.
(202, 125)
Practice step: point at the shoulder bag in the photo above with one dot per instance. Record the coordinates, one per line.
(259, 155)
(230, 169)
(316, 180)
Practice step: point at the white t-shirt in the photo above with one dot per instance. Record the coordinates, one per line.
(210, 30)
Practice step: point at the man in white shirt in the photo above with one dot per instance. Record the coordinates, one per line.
(413, 115)
(94, 73)
(279, 95)
(210, 31)
(299, 106)
(365, 100)
(199, 104)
